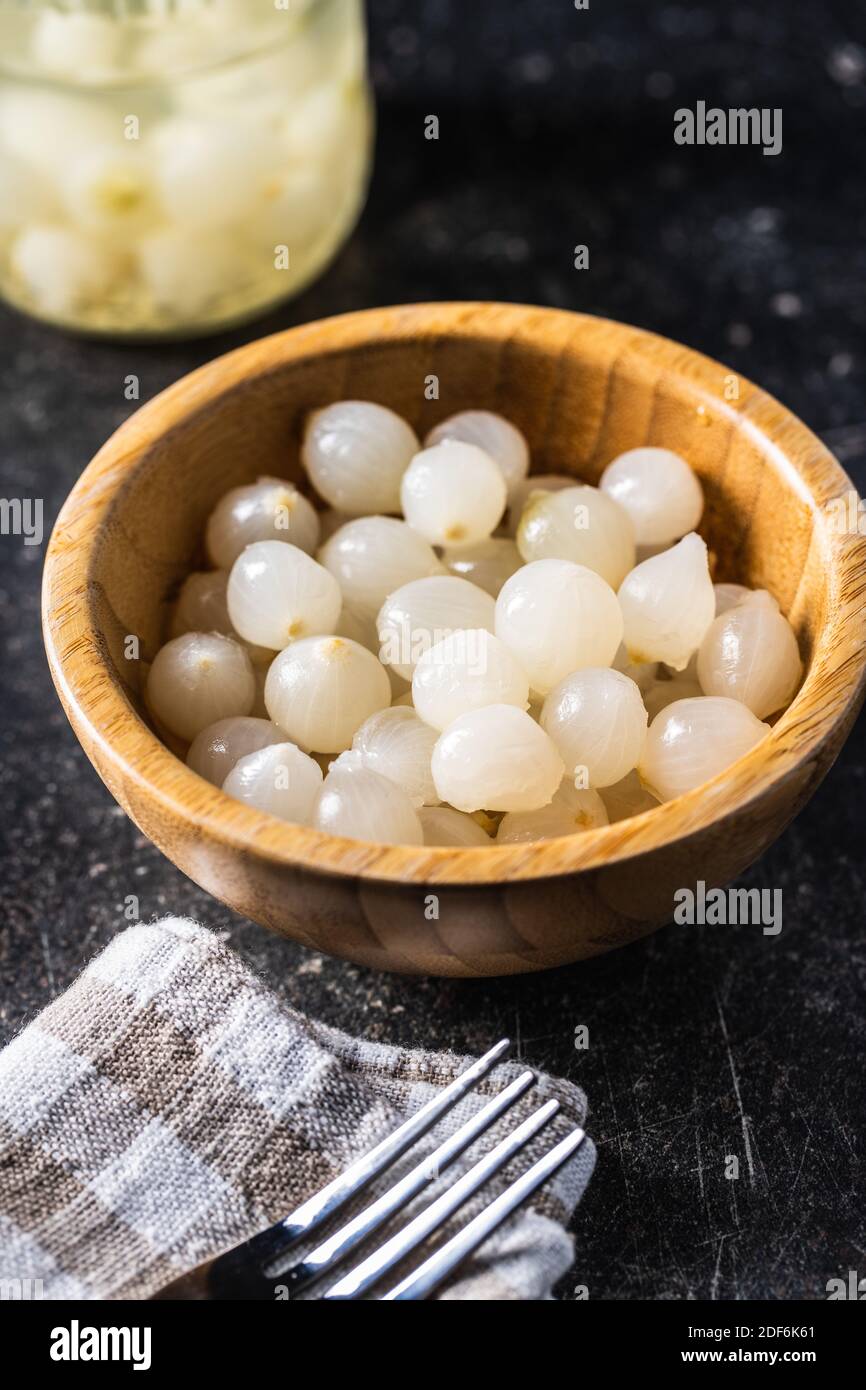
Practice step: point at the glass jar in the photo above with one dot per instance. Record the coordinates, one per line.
(168, 167)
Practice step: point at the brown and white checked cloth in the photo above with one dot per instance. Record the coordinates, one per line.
(167, 1106)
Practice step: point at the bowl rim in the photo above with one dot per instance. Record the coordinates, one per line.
(135, 756)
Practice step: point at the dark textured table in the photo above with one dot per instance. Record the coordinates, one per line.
(556, 129)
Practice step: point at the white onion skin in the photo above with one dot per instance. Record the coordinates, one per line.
(67, 43)
(399, 745)
(466, 671)
(557, 617)
(627, 798)
(321, 689)
(360, 627)
(496, 759)
(453, 494)
(268, 509)
(60, 267)
(420, 614)
(329, 522)
(644, 673)
(24, 196)
(355, 453)
(663, 693)
(497, 436)
(45, 128)
(197, 679)
(521, 493)
(361, 804)
(185, 273)
(750, 654)
(597, 720)
(487, 564)
(208, 171)
(668, 604)
(277, 594)
(572, 811)
(580, 524)
(214, 752)
(661, 494)
(202, 605)
(278, 779)
(729, 595)
(399, 685)
(442, 825)
(371, 556)
(692, 741)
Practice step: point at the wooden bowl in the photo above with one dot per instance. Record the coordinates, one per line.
(582, 389)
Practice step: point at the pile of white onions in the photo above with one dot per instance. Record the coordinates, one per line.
(496, 665)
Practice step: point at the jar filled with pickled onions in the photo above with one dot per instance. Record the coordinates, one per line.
(171, 167)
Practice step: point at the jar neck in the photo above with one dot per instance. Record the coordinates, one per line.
(104, 44)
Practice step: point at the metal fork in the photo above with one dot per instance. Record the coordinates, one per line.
(253, 1270)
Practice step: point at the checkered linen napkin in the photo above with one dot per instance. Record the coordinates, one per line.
(167, 1106)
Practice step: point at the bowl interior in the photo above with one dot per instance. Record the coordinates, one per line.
(577, 409)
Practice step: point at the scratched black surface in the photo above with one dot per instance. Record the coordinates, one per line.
(556, 129)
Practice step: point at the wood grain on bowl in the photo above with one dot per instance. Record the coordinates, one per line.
(583, 390)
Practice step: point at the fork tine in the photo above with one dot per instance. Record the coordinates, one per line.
(440, 1264)
(369, 1165)
(370, 1271)
(324, 1203)
(338, 1245)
